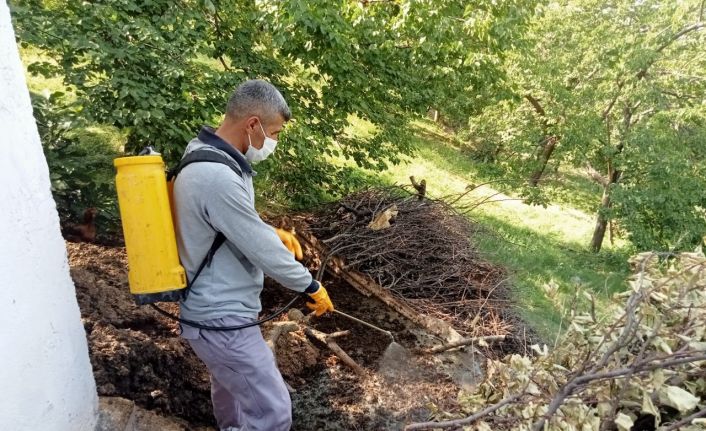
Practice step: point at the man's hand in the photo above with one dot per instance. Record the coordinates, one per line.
(322, 303)
(290, 241)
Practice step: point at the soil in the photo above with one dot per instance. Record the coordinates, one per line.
(137, 354)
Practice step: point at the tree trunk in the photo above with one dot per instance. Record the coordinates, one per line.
(601, 219)
(433, 114)
(543, 159)
(601, 222)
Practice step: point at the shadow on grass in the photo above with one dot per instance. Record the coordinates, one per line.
(432, 134)
(450, 158)
(566, 186)
(534, 260)
(573, 189)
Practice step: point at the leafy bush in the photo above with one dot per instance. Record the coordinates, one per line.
(80, 162)
(640, 363)
(660, 198)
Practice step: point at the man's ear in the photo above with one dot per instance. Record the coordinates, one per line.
(251, 124)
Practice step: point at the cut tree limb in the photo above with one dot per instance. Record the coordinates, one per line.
(327, 339)
(465, 421)
(463, 342)
(420, 186)
(279, 328)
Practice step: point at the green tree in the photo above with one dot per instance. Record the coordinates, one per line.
(159, 69)
(611, 87)
(135, 65)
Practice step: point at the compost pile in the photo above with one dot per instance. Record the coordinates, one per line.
(419, 249)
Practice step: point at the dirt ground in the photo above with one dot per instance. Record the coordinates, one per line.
(137, 354)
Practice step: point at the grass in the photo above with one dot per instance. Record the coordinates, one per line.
(542, 248)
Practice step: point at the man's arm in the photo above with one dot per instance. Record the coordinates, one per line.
(230, 212)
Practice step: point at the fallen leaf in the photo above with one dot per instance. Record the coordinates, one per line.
(678, 398)
(382, 220)
(624, 422)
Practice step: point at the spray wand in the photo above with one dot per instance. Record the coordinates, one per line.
(370, 325)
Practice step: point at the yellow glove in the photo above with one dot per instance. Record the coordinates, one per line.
(322, 303)
(290, 241)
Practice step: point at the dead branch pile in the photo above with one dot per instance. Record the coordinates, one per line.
(637, 363)
(419, 249)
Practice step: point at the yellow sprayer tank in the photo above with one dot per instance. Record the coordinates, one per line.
(155, 272)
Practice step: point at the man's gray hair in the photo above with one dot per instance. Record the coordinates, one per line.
(257, 97)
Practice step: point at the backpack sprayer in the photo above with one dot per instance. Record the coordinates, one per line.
(144, 197)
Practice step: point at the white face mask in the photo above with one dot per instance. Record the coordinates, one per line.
(255, 155)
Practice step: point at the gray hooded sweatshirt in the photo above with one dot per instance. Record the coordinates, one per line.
(211, 198)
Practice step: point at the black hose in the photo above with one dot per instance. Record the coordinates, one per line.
(226, 328)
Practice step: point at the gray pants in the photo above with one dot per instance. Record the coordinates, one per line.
(247, 389)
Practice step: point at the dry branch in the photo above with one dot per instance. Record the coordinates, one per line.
(634, 359)
(279, 328)
(464, 421)
(687, 420)
(368, 287)
(463, 342)
(328, 340)
(580, 381)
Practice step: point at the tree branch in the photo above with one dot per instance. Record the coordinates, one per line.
(463, 342)
(467, 420)
(687, 420)
(680, 33)
(327, 339)
(536, 105)
(217, 25)
(643, 367)
(608, 108)
(688, 29)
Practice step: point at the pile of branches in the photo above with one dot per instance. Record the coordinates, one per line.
(419, 249)
(638, 363)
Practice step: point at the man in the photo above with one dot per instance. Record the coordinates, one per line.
(247, 389)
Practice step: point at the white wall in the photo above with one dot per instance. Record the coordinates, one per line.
(46, 382)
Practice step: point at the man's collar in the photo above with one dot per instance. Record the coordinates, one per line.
(209, 137)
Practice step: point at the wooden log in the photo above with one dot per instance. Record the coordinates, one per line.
(338, 334)
(462, 342)
(327, 339)
(296, 315)
(279, 328)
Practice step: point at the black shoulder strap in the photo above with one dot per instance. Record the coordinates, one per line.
(217, 242)
(208, 157)
(203, 156)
